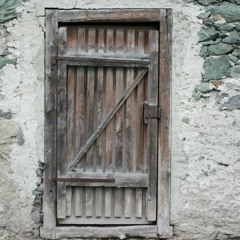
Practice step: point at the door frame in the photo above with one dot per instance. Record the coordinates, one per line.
(161, 17)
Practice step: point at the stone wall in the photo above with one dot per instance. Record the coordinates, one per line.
(205, 182)
(220, 39)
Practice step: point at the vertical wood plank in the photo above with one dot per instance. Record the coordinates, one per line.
(71, 112)
(118, 203)
(90, 129)
(61, 103)
(109, 102)
(138, 203)
(90, 47)
(128, 203)
(81, 101)
(61, 123)
(108, 202)
(69, 201)
(129, 104)
(80, 115)
(152, 126)
(130, 41)
(139, 125)
(140, 102)
(165, 43)
(100, 101)
(61, 200)
(71, 48)
(49, 206)
(100, 109)
(72, 40)
(90, 114)
(81, 40)
(89, 202)
(98, 202)
(78, 201)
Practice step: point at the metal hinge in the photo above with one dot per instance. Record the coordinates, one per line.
(151, 112)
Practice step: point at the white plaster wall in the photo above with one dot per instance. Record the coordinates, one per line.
(205, 191)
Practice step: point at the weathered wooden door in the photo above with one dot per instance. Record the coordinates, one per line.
(106, 148)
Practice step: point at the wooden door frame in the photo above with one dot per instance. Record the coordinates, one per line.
(162, 17)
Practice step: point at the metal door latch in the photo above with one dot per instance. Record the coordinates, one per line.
(150, 112)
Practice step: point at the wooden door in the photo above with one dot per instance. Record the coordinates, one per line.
(106, 152)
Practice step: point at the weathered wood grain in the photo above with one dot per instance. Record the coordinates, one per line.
(133, 15)
(108, 151)
(69, 201)
(152, 127)
(107, 232)
(121, 179)
(78, 197)
(49, 207)
(61, 200)
(164, 128)
(104, 123)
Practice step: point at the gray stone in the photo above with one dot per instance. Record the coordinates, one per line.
(237, 2)
(39, 172)
(237, 27)
(207, 34)
(232, 103)
(5, 115)
(220, 49)
(222, 35)
(203, 51)
(215, 68)
(232, 38)
(186, 120)
(235, 72)
(208, 22)
(211, 42)
(204, 87)
(196, 95)
(235, 53)
(38, 202)
(8, 10)
(38, 192)
(234, 59)
(4, 61)
(207, 2)
(20, 137)
(36, 217)
(225, 27)
(204, 15)
(228, 11)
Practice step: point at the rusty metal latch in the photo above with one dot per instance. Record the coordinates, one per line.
(53, 60)
(151, 112)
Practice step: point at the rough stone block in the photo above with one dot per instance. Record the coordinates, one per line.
(220, 49)
(232, 38)
(235, 72)
(215, 68)
(229, 11)
(208, 34)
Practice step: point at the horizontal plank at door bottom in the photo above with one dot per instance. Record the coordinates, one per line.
(106, 232)
(100, 179)
(106, 220)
